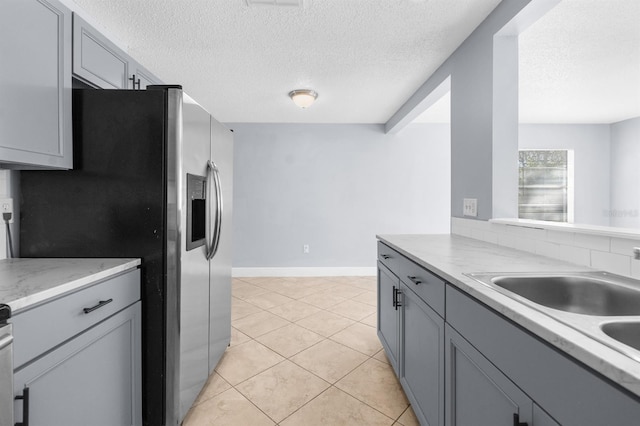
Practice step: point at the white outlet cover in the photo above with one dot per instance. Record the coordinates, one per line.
(470, 207)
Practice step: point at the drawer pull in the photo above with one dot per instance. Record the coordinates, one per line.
(396, 302)
(385, 256)
(516, 420)
(393, 296)
(98, 306)
(25, 407)
(414, 280)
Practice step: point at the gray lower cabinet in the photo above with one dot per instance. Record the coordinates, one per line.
(563, 390)
(100, 63)
(388, 315)
(35, 85)
(461, 363)
(77, 358)
(478, 393)
(412, 331)
(422, 358)
(94, 379)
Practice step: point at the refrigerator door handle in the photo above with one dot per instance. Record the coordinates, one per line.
(209, 206)
(212, 246)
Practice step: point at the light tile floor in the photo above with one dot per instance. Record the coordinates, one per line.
(304, 351)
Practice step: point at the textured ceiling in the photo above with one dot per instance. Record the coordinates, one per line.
(579, 63)
(364, 57)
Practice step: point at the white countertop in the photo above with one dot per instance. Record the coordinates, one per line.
(28, 282)
(450, 256)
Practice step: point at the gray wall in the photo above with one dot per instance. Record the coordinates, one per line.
(334, 187)
(591, 146)
(625, 174)
(477, 109)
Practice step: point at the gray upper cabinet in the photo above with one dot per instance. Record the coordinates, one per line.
(100, 63)
(141, 77)
(35, 85)
(96, 60)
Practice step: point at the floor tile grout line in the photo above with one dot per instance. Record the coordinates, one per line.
(323, 338)
(371, 406)
(352, 396)
(249, 399)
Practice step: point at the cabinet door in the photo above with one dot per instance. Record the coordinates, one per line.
(388, 315)
(35, 84)
(541, 418)
(478, 393)
(96, 60)
(422, 358)
(140, 76)
(93, 379)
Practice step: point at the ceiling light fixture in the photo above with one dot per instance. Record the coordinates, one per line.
(303, 97)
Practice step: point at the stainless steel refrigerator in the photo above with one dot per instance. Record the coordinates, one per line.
(152, 178)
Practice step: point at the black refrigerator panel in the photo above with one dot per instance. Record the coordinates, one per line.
(112, 204)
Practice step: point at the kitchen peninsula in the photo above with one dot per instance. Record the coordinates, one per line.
(488, 349)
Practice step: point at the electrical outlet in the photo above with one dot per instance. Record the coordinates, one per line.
(470, 207)
(305, 249)
(6, 206)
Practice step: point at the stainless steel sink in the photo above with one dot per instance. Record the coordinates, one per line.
(603, 306)
(577, 294)
(624, 332)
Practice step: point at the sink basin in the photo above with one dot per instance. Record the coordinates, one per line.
(577, 294)
(601, 305)
(624, 332)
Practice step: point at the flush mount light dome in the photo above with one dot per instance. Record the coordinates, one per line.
(303, 97)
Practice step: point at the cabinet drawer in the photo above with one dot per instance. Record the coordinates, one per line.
(46, 326)
(430, 288)
(389, 257)
(426, 285)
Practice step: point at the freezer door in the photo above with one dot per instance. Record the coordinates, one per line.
(220, 264)
(194, 267)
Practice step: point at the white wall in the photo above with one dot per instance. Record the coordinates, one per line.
(591, 146)
(334, 187)
(625, 174)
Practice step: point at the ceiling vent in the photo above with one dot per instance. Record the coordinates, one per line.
(281, 3)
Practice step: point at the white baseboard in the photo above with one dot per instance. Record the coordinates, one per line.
(305, 272)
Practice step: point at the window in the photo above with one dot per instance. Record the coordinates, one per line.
(545, 185)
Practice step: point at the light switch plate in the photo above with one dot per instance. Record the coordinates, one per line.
(470, 207)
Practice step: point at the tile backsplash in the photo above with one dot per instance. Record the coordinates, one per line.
(609, 253)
